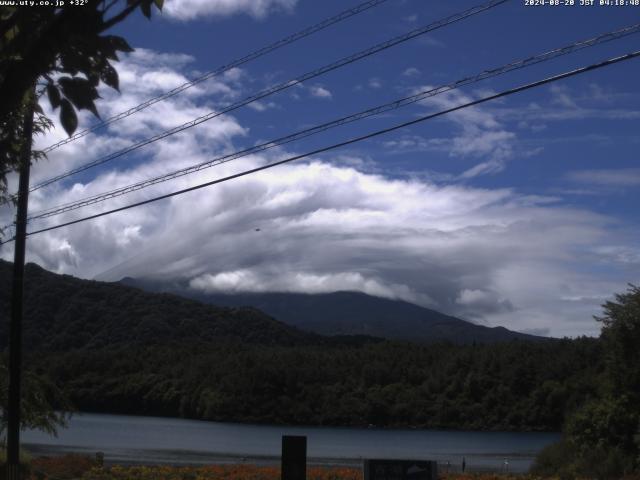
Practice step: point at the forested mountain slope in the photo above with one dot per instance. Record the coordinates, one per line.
(118, 349)
(64, 313)
(349, 313)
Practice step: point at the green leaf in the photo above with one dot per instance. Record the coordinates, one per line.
(54, 95)
(94, 79)
(68, 117)
(107, 48)
(110, 77)
(81, 93)
(119, 43)
(145, 6)
(159, 4)
(11, 34)
(72, 63)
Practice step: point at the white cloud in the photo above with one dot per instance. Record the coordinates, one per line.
(479, 134)
(305, 282)
(375, 83)
(620, 254)
(484, 168)
(489, 254)
(486, 132)
(564, 104)
(192, 9)
(411, 72)
(478, 302)
(320, 92)
(621, 177)
(262, 106)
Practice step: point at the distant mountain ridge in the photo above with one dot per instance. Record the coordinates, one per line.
(119, 349)
(64, 313)
(348, 313)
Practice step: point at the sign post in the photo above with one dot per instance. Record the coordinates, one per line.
(294, 457)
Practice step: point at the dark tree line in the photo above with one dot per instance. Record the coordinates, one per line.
(602, 437)
(119, 349)
(511, 386)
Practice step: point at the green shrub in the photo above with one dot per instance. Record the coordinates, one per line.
(25, 462)
(25, 457)
(567, 462)
(604, 463)
(557, 459)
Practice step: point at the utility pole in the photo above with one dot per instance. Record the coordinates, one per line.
(17, 287)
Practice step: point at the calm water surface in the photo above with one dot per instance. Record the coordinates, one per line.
(130, 439)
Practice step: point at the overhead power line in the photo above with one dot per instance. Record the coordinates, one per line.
(504, 93)
(280, 87)
(350, 12)
(526, 62)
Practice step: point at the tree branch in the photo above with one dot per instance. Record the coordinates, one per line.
(119, 17)
(108, 7)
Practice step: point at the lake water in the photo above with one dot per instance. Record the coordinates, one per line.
(131, 439)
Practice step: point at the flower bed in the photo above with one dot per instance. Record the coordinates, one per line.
(77, 467)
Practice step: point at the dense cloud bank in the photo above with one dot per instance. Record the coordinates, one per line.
(493, 256)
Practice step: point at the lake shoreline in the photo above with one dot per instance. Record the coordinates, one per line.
(134, 440)
(191, 458)
(187, 457)
(308, 425)
(206, 459)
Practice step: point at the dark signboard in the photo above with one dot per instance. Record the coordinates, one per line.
(294, 457)
(400, 470)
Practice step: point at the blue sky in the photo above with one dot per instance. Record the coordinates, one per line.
(585, 123)
(517, 213)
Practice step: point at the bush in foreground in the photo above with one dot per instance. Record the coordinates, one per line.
(556, 460)
(25, 462)
(63, 467)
